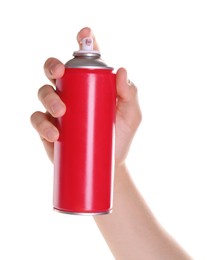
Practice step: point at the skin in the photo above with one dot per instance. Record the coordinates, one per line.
(131, 231)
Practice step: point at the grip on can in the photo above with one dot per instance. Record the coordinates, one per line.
(84, 152)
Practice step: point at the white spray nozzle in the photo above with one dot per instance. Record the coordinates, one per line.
(87, 44)
(86, 48)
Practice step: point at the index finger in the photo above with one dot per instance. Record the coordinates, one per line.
(87, 32)
(54, 69)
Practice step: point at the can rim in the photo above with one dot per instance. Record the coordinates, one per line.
(87, 54)
(89, 67)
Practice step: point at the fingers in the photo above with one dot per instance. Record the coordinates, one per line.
(47, 131)
(54, 69)
(44, 126)
(87, 32)
(51, 101)
(44, 122)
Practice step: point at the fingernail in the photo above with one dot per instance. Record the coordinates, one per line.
(53, 67)
(57, 108)
(88, 33)
(52, 134)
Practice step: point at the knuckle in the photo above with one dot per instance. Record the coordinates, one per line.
(137, 120)
(139, 117)
(44, 92)
(34, 116)
(35, 119)
(48, 63)
(133, 92)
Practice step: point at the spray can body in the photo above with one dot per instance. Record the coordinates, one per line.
(83, 155)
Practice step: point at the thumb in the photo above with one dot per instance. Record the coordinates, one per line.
(123, 85)
(128, 105)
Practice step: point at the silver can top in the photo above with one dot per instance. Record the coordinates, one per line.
(87, 57)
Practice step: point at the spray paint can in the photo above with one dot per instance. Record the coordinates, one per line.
(84, 152)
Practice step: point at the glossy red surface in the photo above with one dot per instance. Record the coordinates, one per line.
(83, 160)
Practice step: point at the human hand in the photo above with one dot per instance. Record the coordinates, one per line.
(128, 114)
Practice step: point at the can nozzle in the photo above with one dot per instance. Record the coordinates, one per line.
(86, 56)
(86, 48)
(87, 44)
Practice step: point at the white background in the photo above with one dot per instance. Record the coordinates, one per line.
(163, 44)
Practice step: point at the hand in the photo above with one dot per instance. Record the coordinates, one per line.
(128, 114)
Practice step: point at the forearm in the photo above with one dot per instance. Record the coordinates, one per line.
(131, 231)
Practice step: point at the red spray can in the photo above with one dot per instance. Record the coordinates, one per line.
(84, 152)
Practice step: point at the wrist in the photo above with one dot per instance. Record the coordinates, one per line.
(119, 170)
